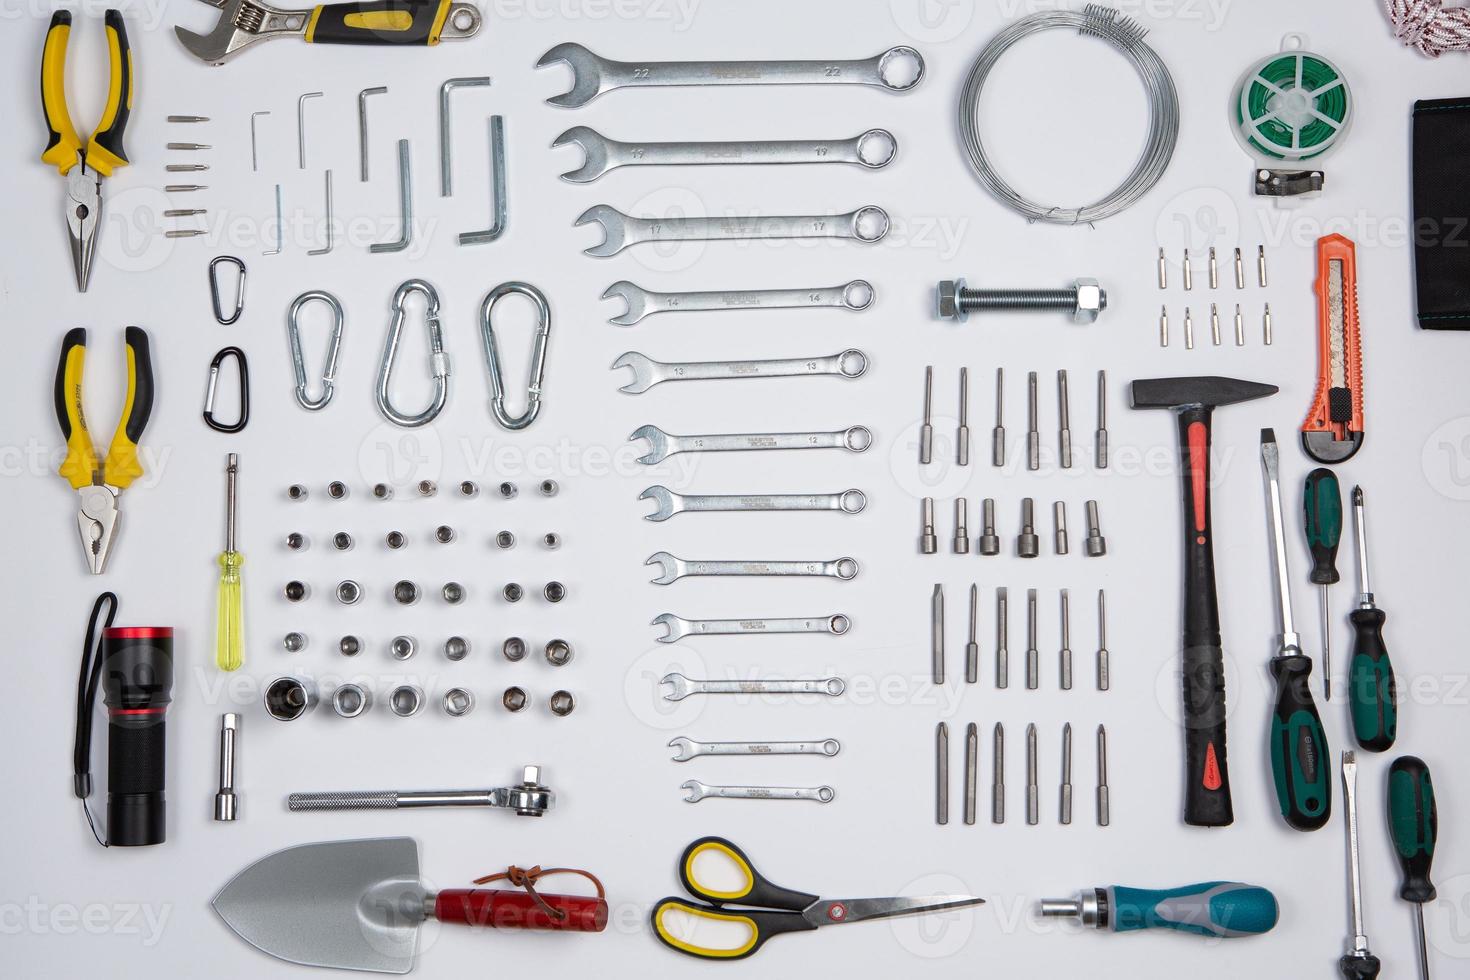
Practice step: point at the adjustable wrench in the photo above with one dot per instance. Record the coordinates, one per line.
(673, 569)
(647, 372)
(662, 445)
(688, 748)
(698, 791)
(678, 627)
(867, 224)
(681, 687)
(873, 149)
(670, 503)
(855, 295)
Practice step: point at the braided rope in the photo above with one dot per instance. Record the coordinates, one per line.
(1429, 26)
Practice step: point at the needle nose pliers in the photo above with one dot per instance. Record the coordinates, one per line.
(84, 165)
(98, 481)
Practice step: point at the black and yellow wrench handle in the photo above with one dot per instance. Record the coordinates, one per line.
(378, 22)
(104, 151)
(122, 466)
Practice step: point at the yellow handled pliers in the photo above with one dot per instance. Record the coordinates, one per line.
(98, 481)
(85, 164)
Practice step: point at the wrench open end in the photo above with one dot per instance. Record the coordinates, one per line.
(586, 74)
(684, 748)
(677, 628)
(614, 229)
(669, 570)
(658, 443)
(643, 371)
(636, 297)
(696, 790)
(678, 687)
(594, 153)
(664, 498)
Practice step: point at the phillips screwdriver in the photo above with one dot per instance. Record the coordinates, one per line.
(1358, 963)
(1322, 500)
(1413, 821)
(229, 642)
(1298, 744)
(1372, 695)
(1223, 909)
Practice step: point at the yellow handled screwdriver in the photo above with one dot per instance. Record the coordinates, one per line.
(229, 641)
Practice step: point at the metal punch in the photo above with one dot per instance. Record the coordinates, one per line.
(334, 348)
(243, 370)
(438, 360)
(537, 371)
(446, 175)
(225, 319)
(405, 206)
(498, 189)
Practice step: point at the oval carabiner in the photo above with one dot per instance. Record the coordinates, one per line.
(243, 369)
(219, 311)
(334, 347)
(538, 354)
(438, 360)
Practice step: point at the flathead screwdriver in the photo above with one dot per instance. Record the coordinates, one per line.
(1372, 695)
(1358, 963)
(1322, 502)
(229, 647)
(1413, 821)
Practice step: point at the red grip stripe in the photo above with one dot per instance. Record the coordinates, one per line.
(139, 633)
(1199, 464)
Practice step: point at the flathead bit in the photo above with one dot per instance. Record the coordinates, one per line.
(998, 434)
(1239, 271)
(1065, 655)
(1100, 439)
(961, 542)
(1033, 434)
(1059, 527)
(1033, 655)
(1214, 270)
(1103, 670)
(962, 436)
(972, 646)
(1002, 639)
(1188, 272)
(1064, 421)
(926, 431)
(1163, 271)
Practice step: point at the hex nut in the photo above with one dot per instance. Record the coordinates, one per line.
(342, 541)
(296, 541)
(403, 647)
(458, 702)
(405, 593)
(469, 488)
(549, 488)
(406, 700)
(456, 648)
(551, 540)
(294, 642)
(947, 301)
(512, 592)
(444, 534)
(453, 593)
(505, 540)
(1092, 299)
(558, 653)
(349, 646)
(351, 700)
(515, 699)
(382, 491)
(396, 540)
(508, 490)
(554, 592)
(288, 698)
(337, 490)
(562, 703)
(297, 492)
(514, 649)
(348, 592)
(296, 591)
(427, 488)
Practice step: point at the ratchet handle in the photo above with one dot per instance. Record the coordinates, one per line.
(105, 151)
(1372, 693)
(1222, 909)
(122, 465)
(81, 459)
(504, 908)
(1298, 747)
(63, 147)
(396, 22)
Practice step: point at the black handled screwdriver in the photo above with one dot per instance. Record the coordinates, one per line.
(1413, 821)
(1372, 694)
(1322, 502)
(1299, 756)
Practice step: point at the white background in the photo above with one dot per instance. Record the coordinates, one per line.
(1065, 117)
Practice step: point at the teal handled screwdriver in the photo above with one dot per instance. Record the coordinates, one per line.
(1222, 909)
(1413, 821)
(1300, 761)
(1322, 501)
(1358, 963)
(1372, 694)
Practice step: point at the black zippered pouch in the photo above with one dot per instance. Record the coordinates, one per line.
(1442, 213)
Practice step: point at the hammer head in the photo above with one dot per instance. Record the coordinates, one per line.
(1209, 392)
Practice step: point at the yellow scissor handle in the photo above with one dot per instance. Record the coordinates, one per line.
(122, 467)
(740, 931)
(63, 147)
(81, 458)
(104, 151)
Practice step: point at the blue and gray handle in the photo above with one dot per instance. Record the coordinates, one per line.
(1223, 909)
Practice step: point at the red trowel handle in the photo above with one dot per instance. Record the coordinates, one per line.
(504, 908)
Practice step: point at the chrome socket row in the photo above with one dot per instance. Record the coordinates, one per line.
(1027, 542)
(558, 652)
(397, 540)
(467, 489)
(349, 592)
(290, 698)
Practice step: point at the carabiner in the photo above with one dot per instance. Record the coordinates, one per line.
(243, 369)
(219, 311)
(438, 360)
(334, 347)
(538, 354)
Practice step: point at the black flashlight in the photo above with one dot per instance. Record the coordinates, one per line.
(135, 666)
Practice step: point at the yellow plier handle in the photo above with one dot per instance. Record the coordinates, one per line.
(104, 151)
(81, 457)
(122, 466)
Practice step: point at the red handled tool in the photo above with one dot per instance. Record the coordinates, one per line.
(1333, 430)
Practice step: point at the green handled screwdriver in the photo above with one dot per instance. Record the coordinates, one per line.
(1372, 694)
(1413, 820)
(1322, 501)
(1299, 755)
(1222, 909)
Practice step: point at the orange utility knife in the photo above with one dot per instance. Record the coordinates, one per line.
(1333, 430)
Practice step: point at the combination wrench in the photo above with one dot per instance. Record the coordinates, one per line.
(856, 295)
(679, 627)
(647, 372)
(680, 687)
(662, 445)
(897, 70)
(873, 150)
(670, 503)
(688, 748)
(672, 569)
(867, 224)
(698, 791)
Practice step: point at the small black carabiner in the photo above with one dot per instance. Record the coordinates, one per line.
(244, 370)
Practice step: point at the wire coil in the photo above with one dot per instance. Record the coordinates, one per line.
(1126, 35)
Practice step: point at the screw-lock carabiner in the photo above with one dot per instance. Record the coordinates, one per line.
(334, 347)
(243, 370)
(438, 360)
(219, 310)
(538, 354)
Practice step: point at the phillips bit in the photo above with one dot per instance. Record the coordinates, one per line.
(1103, 680)
(1066, 651)
(185, 168)
(185, 233)
(1066, 801)
(998, 776)
(961, 542)
(184, 212)
(1214, 270)
(1033, 793)
(936, 632)
(188, 119)
(1188, 272)
(926, 431)
(962, 437)
(928, 541)
(1002, 638)
(1064, 421)
(1163, 271)
(998, 434)
(1239, 327)
(1033, 657)
(941, 781)
(1033, 435)
(189, 146)
(1100, 438)
(1266, 324)
(1261, 265)
(989, 542)
(1215, 324)
(184, 188)
(1358, 963)
(972, 648)
(1028, 545)
(1163, 326)
(1059, 527)
(1103, 816)
(1188, 330)
(1239, 271)
(972, 766)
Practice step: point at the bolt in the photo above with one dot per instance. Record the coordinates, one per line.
(989, 543)
(1027, 544)
(961, 527)
(1097, 545)
(928, 543)
(1084, 300)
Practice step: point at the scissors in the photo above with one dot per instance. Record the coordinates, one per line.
(774, 909)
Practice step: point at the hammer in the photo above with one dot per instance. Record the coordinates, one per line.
(1193, 401)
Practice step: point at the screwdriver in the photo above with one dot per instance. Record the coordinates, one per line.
(1322, 500)
(1223, 909)
(1298, 744)
(1359, 963)
(1372, 694)
(229, 641)
(1413, 820)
